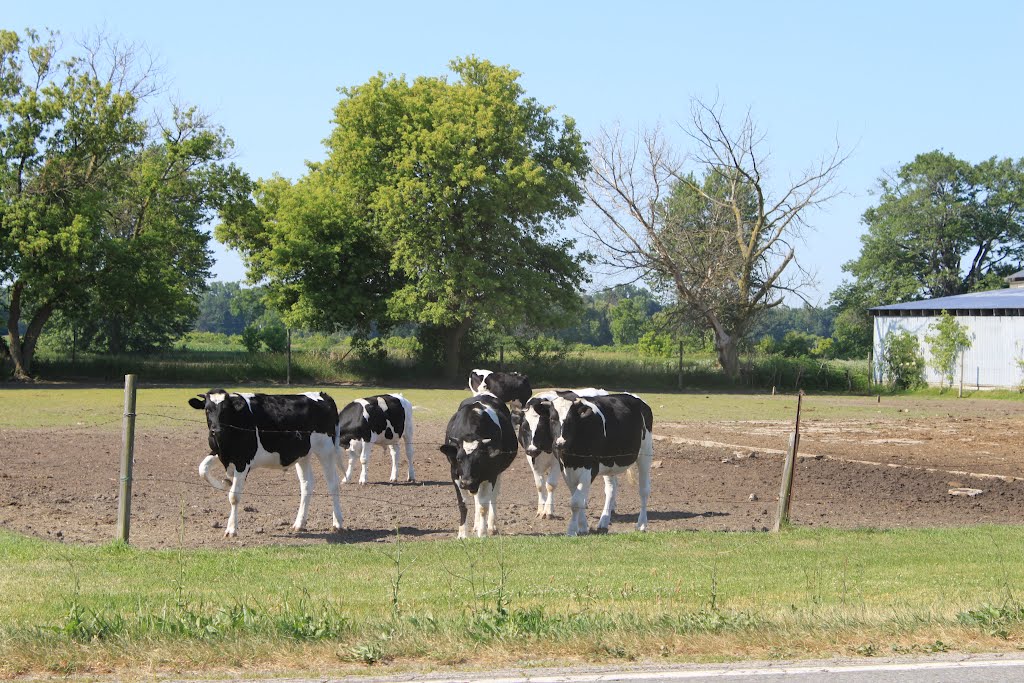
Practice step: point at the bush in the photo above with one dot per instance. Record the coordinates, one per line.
(901, 361)
(656, 345)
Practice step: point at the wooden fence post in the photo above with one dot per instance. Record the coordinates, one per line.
(786, 491)
(680, 383)
(124, 501)
(288, 372)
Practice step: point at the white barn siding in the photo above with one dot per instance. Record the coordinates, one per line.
(992, 360)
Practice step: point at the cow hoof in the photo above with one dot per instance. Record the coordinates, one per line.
(336, 528)
(298, 529)
(230, 534)
(641, 527)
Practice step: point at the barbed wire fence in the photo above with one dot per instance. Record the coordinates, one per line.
(387, 503)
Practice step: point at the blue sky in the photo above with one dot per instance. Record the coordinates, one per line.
(888, 80)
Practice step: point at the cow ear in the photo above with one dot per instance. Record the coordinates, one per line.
(198, 403)
(449, 450)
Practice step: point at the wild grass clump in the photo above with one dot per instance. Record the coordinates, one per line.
(299, 621)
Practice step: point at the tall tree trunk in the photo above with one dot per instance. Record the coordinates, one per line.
(23, 349)
(726, 347)
(453, 337)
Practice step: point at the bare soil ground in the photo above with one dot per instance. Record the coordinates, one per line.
(721, 475)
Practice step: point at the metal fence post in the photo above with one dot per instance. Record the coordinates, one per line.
(124, 501)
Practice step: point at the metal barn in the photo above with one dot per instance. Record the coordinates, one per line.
(994, 319)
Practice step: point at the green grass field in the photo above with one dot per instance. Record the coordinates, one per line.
(67, 405)
(504, 601)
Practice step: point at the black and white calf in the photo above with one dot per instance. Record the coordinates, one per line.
(602, 435)
(248, 431)
(510, 387)
(534, 429)
(480, 444)
(385, 420)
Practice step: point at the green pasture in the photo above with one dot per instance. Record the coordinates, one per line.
(67, 405)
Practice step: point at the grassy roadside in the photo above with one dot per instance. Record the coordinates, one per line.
(508, 601)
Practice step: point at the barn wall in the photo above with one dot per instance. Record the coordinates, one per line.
(992, 360)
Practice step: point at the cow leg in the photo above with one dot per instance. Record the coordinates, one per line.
(574, 481)
(463, 512)
(492, 504)
(552, 482)
(610, 489)
(234, 499)
(350, 454)
(393, 451)
(643, 464)
(480, 501)
(539, 482)
(408, 452)
(586, 479)
(364, 460)
(303, 468)
(330, 469)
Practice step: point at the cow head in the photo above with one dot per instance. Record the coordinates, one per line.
(572, 422)
(473, 456)
(533, 426)
(213, 402)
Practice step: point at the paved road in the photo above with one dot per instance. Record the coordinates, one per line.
(948, 669)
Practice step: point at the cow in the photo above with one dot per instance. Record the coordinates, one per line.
(511, 387)
(534, 429)
(480, 443)
(602, 435)
(249, 431)
(386, 420)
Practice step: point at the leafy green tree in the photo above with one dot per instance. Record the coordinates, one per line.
(217, 309)
(100, 207)
(948, 339)
(439, 202)
(627, 320)
(941, 227)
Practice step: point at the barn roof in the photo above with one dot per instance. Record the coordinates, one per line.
(1011, 298)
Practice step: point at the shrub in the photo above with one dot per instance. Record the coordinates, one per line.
(948, 341)
(656, 345)
(901, 361)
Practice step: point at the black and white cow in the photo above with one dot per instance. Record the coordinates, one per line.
(386, 420)
(534, 428)
(510, 387)
(248, 431)
(480, 443)
(602, 435)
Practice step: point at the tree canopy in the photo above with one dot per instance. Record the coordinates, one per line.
(942, 226)
(716, 240)
(101, 206)
(439, 203)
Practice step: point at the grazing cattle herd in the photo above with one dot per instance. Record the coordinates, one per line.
(579, 434)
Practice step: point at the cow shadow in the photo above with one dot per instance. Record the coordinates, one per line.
(669, 515)
(350, 536)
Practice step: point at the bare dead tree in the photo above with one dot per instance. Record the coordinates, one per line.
(707, 229)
